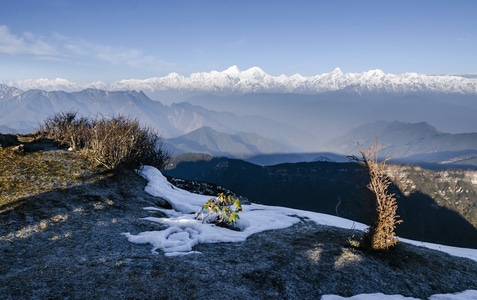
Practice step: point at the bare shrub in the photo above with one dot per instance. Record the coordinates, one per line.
(381, 233)
(113, 143)
(67, 130)
(122, 142)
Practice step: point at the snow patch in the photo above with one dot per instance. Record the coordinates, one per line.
(182, 231)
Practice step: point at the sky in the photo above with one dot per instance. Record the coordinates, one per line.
(92, 40)
(183, 231)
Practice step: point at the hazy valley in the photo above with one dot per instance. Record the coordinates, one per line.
(279, 141)
(249, 113)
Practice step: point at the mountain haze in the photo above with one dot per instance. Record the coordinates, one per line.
(208, 141)
(24, 111)
(294, 113)
(405, 139)
(331, 114)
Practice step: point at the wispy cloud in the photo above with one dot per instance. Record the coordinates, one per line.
(78, 51)
(27, 43)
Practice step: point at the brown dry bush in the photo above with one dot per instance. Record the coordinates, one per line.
(67, 130)
(118, 142)
(122, 142)
(381, 233)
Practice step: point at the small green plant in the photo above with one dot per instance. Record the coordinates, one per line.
(222, 210)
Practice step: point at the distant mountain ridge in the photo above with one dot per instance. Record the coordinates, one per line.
(401, 140)
(24, 111)
(208, 141)
(255, 80)
(272, 124)
(8, 91)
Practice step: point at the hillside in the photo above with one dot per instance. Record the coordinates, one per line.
(436, 206)
(61, 224)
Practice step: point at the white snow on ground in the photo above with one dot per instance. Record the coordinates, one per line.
(183, 231)
(466, 295)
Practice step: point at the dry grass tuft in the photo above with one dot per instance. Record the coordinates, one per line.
(381, 234)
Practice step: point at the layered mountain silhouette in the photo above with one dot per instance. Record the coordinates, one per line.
(411, 142)
(277, 125)
(24, 111)
(208, 141)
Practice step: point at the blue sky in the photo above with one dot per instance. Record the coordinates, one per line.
(89, 40)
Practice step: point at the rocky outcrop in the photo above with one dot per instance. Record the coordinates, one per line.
(454, 189)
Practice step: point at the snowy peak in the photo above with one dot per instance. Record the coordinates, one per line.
(232, 71)
(337, 72)
(255, 72)
(255, 80)
(8, 92)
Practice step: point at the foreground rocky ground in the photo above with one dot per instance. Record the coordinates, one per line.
(65, 242)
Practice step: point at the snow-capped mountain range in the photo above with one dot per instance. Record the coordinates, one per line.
(255, 80)
(296, 113)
